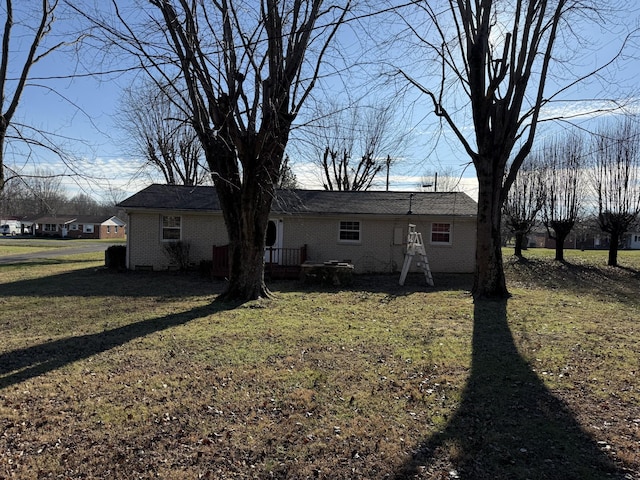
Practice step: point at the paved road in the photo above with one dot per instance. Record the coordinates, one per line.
(60, 247)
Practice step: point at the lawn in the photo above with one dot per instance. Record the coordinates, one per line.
(22, 245)
(141, 375)
(17, 248)
(20, 249)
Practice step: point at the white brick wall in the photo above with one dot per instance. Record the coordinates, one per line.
(376, 252)
(145, 247)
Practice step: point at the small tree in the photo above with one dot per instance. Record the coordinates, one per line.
(563, 164)
(616, 180)
(524, 201)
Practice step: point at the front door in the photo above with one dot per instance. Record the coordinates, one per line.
(273, 241)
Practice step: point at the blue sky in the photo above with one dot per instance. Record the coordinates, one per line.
(81, 111)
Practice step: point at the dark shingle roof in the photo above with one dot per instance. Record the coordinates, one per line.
(82, 219)
(318, 202)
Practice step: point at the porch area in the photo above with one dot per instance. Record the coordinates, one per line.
(279, 263)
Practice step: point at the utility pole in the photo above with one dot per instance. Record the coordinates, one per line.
(388, 166)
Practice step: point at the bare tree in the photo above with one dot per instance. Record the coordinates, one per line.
(340, 173)
(564, 160)
(23, 45)
(11, 198)
(495, 57)
(43, 193)
(524, 201)
(242, 70)
(355, 144)
(287, 179)
(46, 194)
(84, 204)
(160, 134)
(616, 181)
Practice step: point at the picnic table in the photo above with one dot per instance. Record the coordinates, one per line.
(331, 272)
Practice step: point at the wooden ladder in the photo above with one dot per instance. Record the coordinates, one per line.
(415, 246)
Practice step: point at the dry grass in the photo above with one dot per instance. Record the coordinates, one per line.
(125, 376)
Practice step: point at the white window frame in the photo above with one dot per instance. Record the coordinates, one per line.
(87, 228)
(449, 232)
(170, 228)
(348, 227)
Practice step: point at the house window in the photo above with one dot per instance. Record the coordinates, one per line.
(88, 228)
(441, 233)
(349, 232)
(50, 227)
(171, 227)
(115, 229)
(108, 228)
(74, 226)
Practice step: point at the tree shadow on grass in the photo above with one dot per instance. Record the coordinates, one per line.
(508, 424)
(41, 262)
(578, 277)
(22, 364)
(384, 283)
(90, 282)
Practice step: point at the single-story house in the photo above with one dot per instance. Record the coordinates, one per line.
(80, 226)
(632, 241)
(368, 229)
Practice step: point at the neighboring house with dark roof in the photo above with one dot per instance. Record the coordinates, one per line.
(369, 229)
(80, 226)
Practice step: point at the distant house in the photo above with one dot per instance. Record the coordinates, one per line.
(79, 226)
(585, 240)
(368, 229)
(632, 240)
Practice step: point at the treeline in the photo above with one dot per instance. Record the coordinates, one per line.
(44, 194)
(577, 180)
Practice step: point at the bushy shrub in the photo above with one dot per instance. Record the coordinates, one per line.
(206, 268)
(178, 253)
(115, 257)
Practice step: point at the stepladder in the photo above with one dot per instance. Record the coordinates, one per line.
(415, 247)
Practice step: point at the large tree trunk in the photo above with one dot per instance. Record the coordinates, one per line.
(489, 280)
(613, 249)
(520, 240)
(246, 217)
(246, 204)
(560, 238)
(561, 230)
